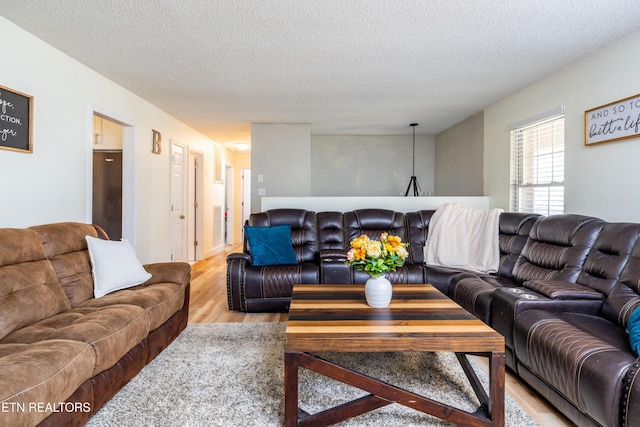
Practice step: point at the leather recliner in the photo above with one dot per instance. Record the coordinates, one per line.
(599, 273)
(555, 250)
(268, 288)
(582, 361)
(374, 222)
(562, 297)
(322, 253)
(514, 228)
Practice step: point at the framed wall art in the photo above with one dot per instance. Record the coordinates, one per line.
(16, 120)
(612, 122)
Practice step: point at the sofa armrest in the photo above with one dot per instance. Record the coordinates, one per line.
(100, 231)
(631, 394)
(508, 303)
(236, 264)
(333, 268)
(560, 290)
(332, 255)
(241, 256)
(169, 272)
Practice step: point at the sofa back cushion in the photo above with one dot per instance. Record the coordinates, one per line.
(331, 231)
(29, 288)
(66, 247)
(373, 222)
(418, 229)
(514, 232)
(608, 256)
(556, 248)
(624, 297)
(304, 229)
(514, 228)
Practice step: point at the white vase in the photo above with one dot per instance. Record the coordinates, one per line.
(377, 291)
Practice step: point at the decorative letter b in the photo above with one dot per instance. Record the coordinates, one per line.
(157, 142)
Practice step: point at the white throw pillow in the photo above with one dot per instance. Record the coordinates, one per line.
(115, 266)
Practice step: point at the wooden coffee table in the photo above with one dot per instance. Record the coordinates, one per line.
(336, 318)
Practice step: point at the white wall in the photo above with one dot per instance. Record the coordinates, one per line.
(459, 158)
(53, 183)
(110, 134)
(294, 163)
(370, 165)
(281, 155)
(601, 180)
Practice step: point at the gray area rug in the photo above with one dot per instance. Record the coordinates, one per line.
(232, 374)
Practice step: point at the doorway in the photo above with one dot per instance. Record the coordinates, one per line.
(107, 145)
(100, 137)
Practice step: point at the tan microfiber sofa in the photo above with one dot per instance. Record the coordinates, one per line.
(64, 353)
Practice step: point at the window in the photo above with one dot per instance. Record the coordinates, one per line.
(537, 166)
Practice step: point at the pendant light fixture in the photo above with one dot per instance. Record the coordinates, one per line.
(413, 182)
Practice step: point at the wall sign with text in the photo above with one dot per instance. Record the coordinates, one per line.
(16, 111)
(612, 122)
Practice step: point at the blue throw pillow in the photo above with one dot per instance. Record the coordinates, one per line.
(633, 328)
(270, 245)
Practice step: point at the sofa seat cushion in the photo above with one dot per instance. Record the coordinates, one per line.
(111, 331)
(278, 281)
(161, 300)
(29, 288)
(441, 277)
(474, 293)
(36, 377)
(584, 358)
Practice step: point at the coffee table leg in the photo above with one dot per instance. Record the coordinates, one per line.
(496, 375)
(291, 389)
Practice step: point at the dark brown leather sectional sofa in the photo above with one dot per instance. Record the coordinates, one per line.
(562, 295)
(64, 353)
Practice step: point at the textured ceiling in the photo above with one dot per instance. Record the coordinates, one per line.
(343, 66)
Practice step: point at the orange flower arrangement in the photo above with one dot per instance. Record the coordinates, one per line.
(377, 257)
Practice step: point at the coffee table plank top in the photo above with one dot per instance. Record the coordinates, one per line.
(419, 318)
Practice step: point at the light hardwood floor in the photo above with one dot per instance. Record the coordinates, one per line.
(209, 305)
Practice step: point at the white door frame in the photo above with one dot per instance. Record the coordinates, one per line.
(229, 199)
(129, 169)
(195, 206)
(246, 197)
(172, 211)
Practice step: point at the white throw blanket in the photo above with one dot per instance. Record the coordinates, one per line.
(465, 238)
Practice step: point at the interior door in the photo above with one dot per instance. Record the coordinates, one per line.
(178, 223)
(107, 192)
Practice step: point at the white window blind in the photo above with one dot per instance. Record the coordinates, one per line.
(537, 166)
